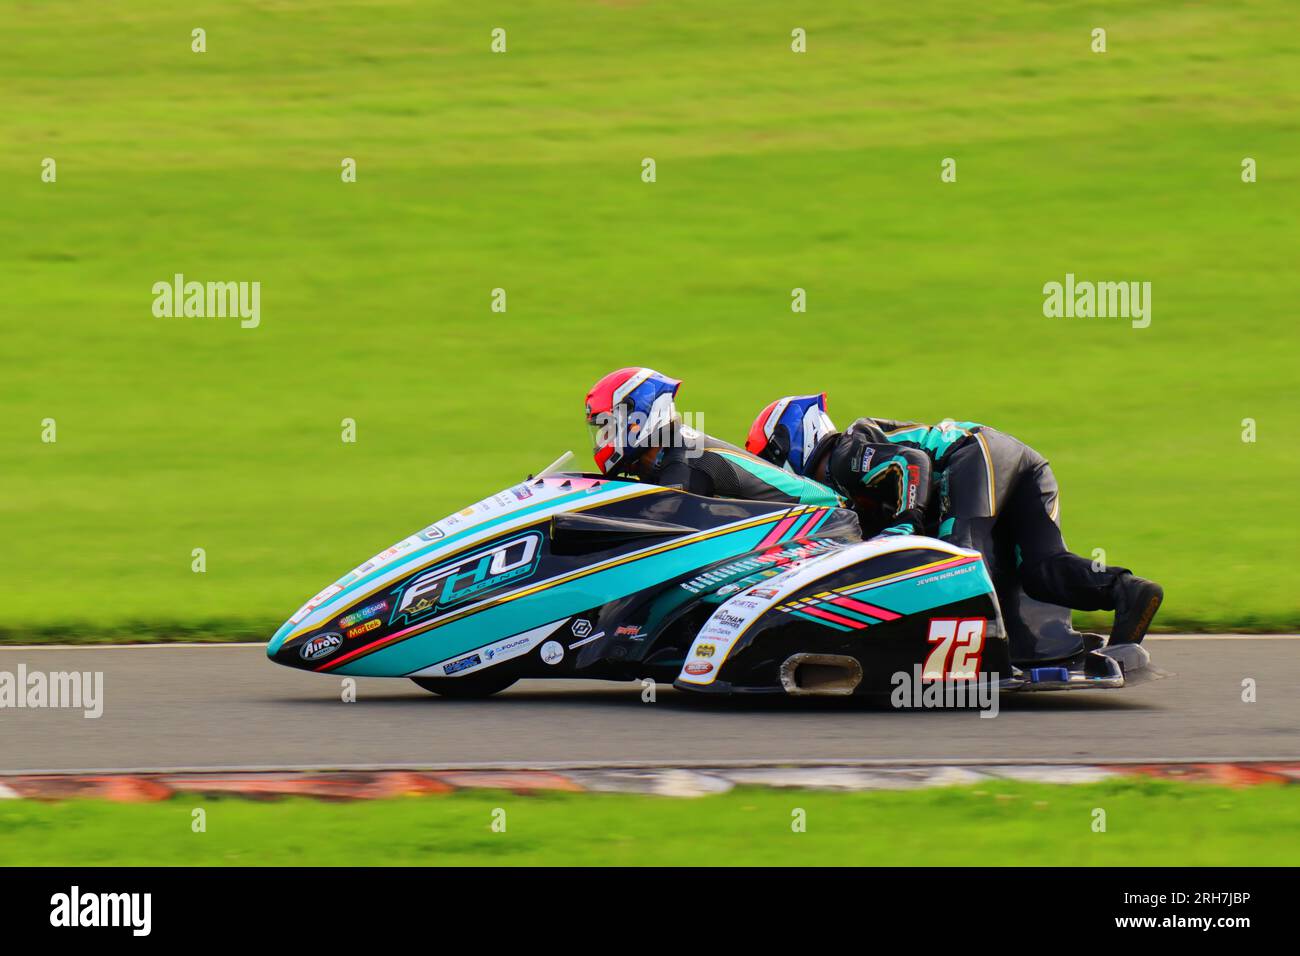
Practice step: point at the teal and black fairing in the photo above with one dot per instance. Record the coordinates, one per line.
(421, 550)
(804, 490)
(569, 580)
(876, 609)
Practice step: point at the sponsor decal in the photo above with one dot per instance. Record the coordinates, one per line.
(723, 626)
(323, 645)
(581, 627)
(369, 611)
(496, 650)
(316, 602)
(360, 629)
(758, 564)
(728, 621)
(723, 629)
(387, 556)
(465, 663)
(931, 579)
(552, 652)
(467, 578)
(432, 533)
(628, 630)
(522, 492)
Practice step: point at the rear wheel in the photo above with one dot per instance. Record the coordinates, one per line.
(467, 687)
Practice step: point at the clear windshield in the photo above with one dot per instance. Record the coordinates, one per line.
(556, 467)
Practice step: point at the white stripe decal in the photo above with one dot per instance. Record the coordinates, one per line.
(586, 640)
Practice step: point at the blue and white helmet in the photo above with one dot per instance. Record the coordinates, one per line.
(628, 411)
(788, 431)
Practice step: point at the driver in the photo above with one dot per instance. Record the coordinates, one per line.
(636, 430)
(986, 482)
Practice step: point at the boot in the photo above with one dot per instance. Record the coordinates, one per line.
(1136, 603)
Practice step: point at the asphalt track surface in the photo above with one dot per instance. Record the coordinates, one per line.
(216, 706)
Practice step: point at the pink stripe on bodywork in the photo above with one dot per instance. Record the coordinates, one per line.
(827, 615)
(883, 614)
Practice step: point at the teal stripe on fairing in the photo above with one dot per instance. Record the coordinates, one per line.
(931, 590)
(817, 525)
(821, 620)
(553, 604)
(848, 612)
(805, 528)
(804, 490)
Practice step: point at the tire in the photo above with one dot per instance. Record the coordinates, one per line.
(469, 687)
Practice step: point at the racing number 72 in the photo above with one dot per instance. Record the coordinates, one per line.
(958, 644)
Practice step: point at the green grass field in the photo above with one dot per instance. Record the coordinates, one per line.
(521, 170)
(1147, 823)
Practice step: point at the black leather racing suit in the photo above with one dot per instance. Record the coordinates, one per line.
(708, 466)
(998, 496)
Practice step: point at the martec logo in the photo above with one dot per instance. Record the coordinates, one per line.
(210, 300)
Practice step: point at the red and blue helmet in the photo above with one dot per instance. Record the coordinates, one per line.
(787, 432)
(629, 411)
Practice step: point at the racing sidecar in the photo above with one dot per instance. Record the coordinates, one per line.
(573, 575)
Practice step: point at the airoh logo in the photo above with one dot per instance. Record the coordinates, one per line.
(323, 645)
